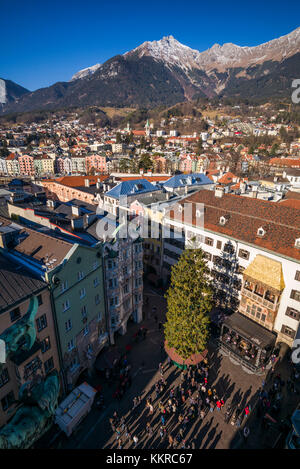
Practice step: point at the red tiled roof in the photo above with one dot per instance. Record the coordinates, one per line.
(227, 178)
(293, 203)
(292, 195)
(78, 181)
(290, 162)
(11, 156)
(246, 216)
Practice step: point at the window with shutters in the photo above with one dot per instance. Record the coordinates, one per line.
(288, 331)
(295, 295)
(243, 254)
(292, 313)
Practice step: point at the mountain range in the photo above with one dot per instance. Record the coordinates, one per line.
(166, 72)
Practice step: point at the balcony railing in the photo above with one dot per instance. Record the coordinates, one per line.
(259, 299)
(240, 359)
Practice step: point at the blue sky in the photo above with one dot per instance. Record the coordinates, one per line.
(48, 41)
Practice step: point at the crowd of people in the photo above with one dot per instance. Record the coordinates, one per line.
(164, 417)
(170, 412)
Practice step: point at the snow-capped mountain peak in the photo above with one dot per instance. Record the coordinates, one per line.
(85, 72)
(168, 50)
(220, 57)
(2, 92)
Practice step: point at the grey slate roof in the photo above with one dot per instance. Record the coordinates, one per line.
(182, 180)
(16, 283)
(133, 187)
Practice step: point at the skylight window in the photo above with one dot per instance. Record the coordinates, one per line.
(139, 187)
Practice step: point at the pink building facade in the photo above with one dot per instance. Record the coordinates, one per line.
(97, 162)
(26, 165)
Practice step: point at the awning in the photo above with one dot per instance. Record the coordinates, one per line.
(250, 330)
(267, 272)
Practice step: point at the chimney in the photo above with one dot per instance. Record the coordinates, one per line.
(219, 191)
(50, 203)
(75, 211)
(3, 240)
(87, 183)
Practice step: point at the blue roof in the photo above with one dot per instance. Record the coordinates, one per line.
(135, 186)
(182, 180)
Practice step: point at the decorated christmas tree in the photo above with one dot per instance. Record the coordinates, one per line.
(189, 300)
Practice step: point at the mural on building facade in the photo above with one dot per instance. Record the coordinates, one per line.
(37, 401)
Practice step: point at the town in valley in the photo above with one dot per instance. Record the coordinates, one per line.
(150, 254)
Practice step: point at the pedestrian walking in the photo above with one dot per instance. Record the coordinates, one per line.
(148, 427)
(120, 444)
(118, 432)
(135, 441)
(246, 433)
(126, 432)
(162, 432)
(183, 445)
(112, 424)
(151, 409)
(181, 434)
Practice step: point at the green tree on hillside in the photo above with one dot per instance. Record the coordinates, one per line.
(189, 300)
(145, 162)
(124, 165)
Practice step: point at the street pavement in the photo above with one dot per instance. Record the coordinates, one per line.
(231, 382)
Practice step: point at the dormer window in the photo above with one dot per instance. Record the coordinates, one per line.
(223, 220)
(297, 243)
(261, 232)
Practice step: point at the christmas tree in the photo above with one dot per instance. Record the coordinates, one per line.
(189, 300)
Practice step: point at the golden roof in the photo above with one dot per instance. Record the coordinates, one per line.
(266, 271)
